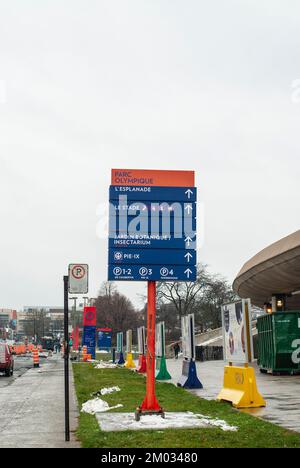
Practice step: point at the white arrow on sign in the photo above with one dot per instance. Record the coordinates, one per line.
(188, 241)
(189, 193)
(188, 256)
(189, 208)
(188, 272)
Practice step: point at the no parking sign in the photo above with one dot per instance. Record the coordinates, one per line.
(78, 278)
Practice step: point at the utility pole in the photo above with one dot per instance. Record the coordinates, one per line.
(74, 312)
(66, 358)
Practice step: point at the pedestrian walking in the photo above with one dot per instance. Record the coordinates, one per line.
(176, 350)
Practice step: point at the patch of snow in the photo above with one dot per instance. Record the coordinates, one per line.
(216, 423)
(105, 365)
(126, 422)
(97, 406)
(108, 391)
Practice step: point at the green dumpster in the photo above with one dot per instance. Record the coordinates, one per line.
(279, 343)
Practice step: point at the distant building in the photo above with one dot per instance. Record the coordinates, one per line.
(8, 322)
(53, 319)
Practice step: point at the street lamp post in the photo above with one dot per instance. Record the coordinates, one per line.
(74, 310)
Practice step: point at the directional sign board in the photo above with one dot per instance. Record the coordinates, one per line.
(152, 226)
(78, 278)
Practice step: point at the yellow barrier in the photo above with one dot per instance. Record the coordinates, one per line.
(129, 364)
(240, 388)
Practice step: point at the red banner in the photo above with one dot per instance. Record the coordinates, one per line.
(89, 317)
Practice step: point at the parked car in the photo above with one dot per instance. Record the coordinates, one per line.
(6, 360)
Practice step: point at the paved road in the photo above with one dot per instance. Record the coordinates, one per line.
(22, 365)
(282, 394)
(32, 407)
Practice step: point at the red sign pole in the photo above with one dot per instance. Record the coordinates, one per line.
(150, 405)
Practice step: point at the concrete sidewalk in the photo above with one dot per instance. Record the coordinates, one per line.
(32, 409)
(282, 393)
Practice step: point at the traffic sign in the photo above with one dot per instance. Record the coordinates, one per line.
(158, 243)
(152, 257)
(152, 226)
(155, 225)
(139, 193)
(78, 278)
(147, 241)
(148, 178)
(151, 208)
(89, 340)
(152, 273)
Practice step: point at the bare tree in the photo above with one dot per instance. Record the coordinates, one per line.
(37, 324)
(203, 298)
(208, 306)
(116, 311)
(184, 296)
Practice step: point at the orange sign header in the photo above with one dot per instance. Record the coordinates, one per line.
(141, 177)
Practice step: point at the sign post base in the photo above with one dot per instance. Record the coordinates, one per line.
(150, 404)
(240, 388)
(163, 372)
(113, 355)
(121, 361)
(140, 412)
(143, 365)
(129, 364)
(189, 377)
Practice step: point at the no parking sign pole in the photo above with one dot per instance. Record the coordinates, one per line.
(75, 283)
(66, 359)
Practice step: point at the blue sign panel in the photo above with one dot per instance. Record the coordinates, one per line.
(152, 273)
(140, 241)
(89, 340)
(168, 194)
(152, 233)
(152, 208)
(104, 340)
(152, 225)
(152, 257)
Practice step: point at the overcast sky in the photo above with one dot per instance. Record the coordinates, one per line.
(160, 84)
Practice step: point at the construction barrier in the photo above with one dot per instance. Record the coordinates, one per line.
(240, 388)
(36, 358)
(84, 353)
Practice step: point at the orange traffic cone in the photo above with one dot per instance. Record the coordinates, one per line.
(36, 358)
(84, 353)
